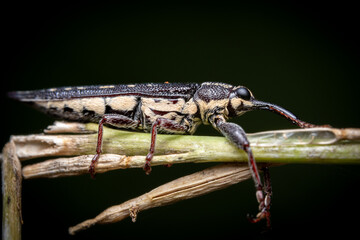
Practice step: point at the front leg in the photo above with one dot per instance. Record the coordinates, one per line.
(265, 208)
(235, 134)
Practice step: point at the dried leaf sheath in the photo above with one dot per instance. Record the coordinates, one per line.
(11, 193)
(320, 145)
(190, 186)
(285, 146)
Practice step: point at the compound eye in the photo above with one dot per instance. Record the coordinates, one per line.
(243, 93)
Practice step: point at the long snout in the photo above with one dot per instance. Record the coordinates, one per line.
(260, 105)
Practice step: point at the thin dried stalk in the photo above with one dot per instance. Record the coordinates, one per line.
(318, 145)
(62, 167)
(11, 191)
(200, 183)
(322, 145)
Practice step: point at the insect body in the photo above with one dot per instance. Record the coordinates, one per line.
(168, 108)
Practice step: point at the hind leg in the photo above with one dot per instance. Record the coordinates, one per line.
(114, 120)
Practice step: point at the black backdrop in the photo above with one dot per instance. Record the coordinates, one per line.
(302, 56)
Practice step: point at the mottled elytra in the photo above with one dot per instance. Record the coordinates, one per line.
(171, 108)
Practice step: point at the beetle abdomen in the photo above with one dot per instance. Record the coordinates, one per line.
(90, 103)
(88, 109)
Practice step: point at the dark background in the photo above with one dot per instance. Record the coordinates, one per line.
(302, 56)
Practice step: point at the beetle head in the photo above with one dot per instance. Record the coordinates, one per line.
(242, 100)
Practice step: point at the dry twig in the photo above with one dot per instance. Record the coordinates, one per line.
(190, 186)
(11, 191)
(128, 150)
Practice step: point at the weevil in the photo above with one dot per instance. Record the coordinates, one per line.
(170, 108)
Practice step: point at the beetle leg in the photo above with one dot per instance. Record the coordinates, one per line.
(166, 124)
(268, 194)
(114, 120)
(265, 208)
(235, 134)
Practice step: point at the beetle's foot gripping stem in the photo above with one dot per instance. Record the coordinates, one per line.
(263, 194)
(147, 165)
(114, 120)
(163, 123)
(264, 202)
(237, 136)
(93, 165)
